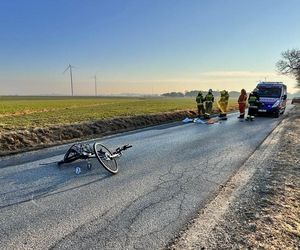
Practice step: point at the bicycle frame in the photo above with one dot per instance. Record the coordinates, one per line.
(83, 151)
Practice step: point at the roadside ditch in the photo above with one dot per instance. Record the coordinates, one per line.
(12, 142)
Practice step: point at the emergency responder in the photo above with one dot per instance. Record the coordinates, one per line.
(223, 103)
(200, 104)
(253, 104)
(209, 100)
(242, 103)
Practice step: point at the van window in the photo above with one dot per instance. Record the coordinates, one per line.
(274, 92)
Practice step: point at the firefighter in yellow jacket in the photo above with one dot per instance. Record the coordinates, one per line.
(223, 104)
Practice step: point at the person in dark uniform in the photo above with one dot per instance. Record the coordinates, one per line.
(209, 100)
(254, 103)
(200, 104)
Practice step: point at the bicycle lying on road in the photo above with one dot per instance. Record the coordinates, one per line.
(84, 151)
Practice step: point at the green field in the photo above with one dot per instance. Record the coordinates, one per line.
(23, 112)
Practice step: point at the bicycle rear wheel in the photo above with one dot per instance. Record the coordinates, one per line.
(102, 153)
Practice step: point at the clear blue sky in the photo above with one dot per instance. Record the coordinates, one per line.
(139, 46)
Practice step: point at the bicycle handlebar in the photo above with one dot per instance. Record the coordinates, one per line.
(123, 148)
(126, 146)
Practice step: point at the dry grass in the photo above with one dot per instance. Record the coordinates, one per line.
(279, 225)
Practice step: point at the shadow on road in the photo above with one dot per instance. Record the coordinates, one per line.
(43, 181)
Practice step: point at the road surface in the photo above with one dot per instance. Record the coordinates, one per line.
(169, 174)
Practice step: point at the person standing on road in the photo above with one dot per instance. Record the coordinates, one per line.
(200, 104)
(209, 100)
(223, 103)
(242, 103)
(253, 105)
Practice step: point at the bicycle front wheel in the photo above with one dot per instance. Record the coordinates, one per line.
(103, 155)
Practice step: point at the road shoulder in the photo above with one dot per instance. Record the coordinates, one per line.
(259, 206)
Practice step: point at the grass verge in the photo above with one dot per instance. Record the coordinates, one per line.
(32, 123)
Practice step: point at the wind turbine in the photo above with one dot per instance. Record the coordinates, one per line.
(70, 69)
(95, 78)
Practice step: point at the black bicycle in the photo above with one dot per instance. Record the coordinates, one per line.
(83, 151)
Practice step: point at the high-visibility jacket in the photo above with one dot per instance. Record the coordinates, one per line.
(224, 96)
(209, 97)
(242, 99)
(253, 100)
(199, 100)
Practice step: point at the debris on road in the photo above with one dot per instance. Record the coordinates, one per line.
(187, 120)
(200, 121)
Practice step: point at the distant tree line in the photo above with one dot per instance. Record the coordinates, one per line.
(194, 93)
(173, 94)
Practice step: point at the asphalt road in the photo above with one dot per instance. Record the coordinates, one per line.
(171, 172)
